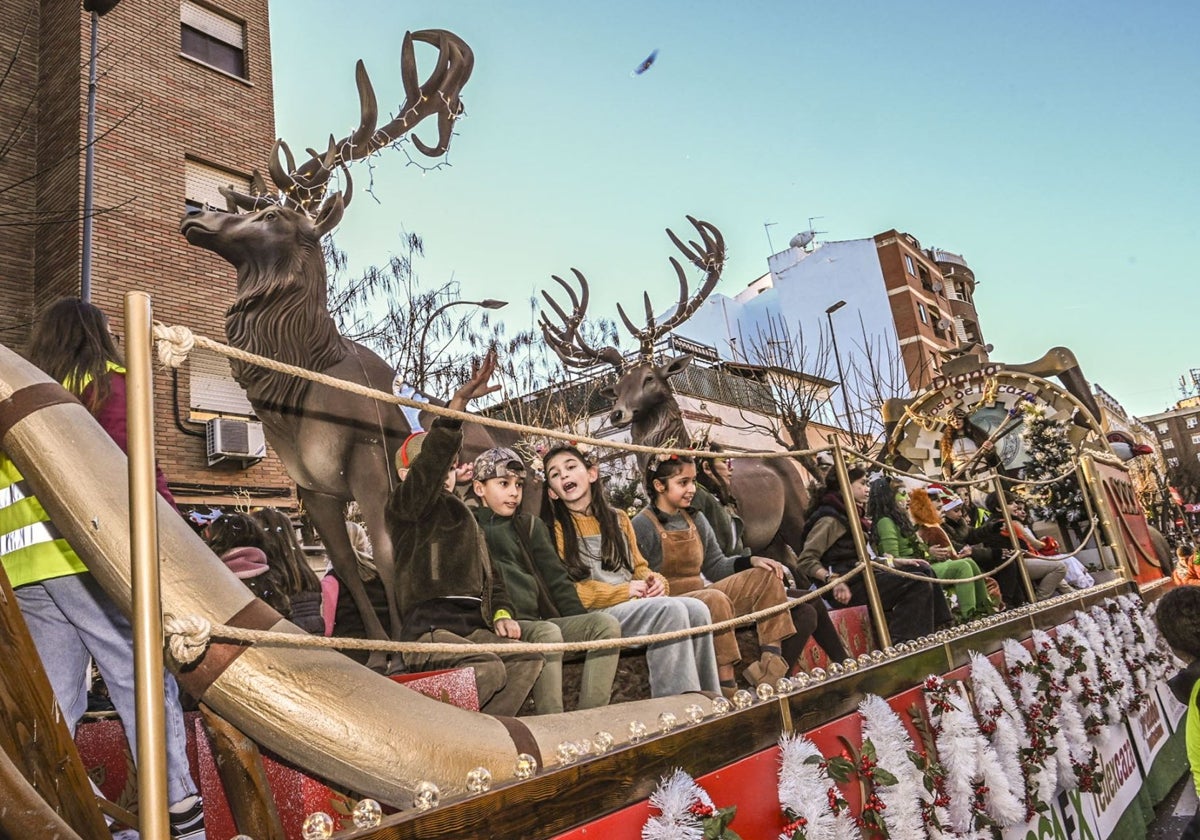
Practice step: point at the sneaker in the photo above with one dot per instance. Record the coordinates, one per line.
(125, 834)
(190, 824)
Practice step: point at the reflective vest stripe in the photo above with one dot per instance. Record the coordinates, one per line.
(13, 493)
(35, 534)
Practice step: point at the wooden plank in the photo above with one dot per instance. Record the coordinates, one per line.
(240, 766)
(41, 755)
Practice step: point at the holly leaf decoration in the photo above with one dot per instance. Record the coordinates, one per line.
(717, 827)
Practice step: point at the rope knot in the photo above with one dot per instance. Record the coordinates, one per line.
(174, 344)
(187, 637)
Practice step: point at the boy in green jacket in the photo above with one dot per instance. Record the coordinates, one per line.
(545, 603)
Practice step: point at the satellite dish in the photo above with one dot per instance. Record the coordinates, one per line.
(802, 240)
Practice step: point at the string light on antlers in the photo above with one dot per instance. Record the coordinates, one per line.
(304, 187)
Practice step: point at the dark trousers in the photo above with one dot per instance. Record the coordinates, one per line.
(805, 617)
(912, 608)
(823, 632)
(503, 681)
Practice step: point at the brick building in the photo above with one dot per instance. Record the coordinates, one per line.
(895, 307)
(184, 104)
(1178, 434)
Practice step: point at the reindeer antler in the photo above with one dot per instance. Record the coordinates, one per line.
(571, 347)
(304, 187)
(709, 257)
(575, 352)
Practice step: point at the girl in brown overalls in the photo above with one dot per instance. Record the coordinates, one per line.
(683, 548)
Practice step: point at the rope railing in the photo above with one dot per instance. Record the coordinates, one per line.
(176, 342)
(965, 482)
(189, 636)
(892, 570)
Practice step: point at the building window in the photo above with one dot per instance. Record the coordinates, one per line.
(921, 311)
(1192, 421)
(202, 183)
(212, 39)
(1163, 429)
(1174, 462)
(1195, 440)
(908, 264)
(1168, 444)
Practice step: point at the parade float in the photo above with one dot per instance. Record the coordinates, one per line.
(1049, 720)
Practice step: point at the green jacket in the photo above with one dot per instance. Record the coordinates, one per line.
(890, 540)
(536, 579)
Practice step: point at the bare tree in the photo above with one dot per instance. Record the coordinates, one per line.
(878, 372)
(797, 372)
(418, 330)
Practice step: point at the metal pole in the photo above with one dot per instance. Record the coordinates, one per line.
(147, 600)
(1091, 480)
(841, 378)
(860, 546)
(89, 168)
(1012, 536)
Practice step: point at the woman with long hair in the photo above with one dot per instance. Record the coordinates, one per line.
(70, 617)
(296, 578)
(241, 543)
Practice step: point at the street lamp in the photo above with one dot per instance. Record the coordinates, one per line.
(838, 358)
(96, 8)
(486, 303)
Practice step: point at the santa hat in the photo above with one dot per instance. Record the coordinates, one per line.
(952, 504)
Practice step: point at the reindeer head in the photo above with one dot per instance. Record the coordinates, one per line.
(285, 224)
(268, 247)
(643, 388)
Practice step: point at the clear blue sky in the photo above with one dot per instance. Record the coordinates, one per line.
(1054, 145)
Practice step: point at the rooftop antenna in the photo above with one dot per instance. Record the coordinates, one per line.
(767, 227)
(804, 239)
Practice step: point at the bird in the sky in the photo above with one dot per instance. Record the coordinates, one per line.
(645, 65)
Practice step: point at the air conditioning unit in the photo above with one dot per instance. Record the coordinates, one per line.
(234, 440)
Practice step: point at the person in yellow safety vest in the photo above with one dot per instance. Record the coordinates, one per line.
(70, 618)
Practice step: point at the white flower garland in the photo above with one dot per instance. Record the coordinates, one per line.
(1083, 678)
(1071, 739)
(961, 747)
(1115, 684)
(804, 788)
(675, 797)
(1001, 724)
(1128, 649)
(1037, 747)
(903, 800)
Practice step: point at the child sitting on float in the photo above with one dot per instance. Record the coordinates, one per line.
(598, 548)
(930, 537)
(682, 547)
(545, 603)
(447, 589)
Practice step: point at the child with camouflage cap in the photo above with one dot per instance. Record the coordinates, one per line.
(544, 600)
(446, 587)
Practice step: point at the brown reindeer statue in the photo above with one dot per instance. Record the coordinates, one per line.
(772, 492)
(337, 447)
